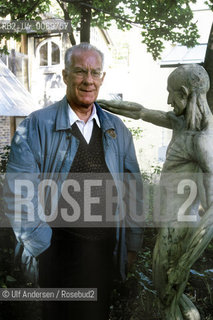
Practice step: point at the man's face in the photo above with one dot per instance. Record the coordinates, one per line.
(82, 79)
(177, 98)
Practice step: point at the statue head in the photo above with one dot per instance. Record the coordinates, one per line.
(187, 87)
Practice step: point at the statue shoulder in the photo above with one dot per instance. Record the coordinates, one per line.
(177, 123)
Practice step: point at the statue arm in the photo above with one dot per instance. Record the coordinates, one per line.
(204, 156)
(136, 111)
(157, 117)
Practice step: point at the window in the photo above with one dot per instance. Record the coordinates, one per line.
(49, 54)
(43, 55)
(55, 54)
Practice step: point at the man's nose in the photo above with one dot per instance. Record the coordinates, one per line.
(88, 77)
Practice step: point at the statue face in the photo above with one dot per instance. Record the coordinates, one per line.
(178, 97)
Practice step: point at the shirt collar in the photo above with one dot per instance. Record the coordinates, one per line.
(73, 116)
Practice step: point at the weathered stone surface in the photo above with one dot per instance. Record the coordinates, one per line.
(186, 183)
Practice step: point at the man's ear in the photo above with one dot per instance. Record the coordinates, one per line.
(184, 91)
(64, 74)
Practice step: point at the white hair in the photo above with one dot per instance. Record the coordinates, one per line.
(84, 46)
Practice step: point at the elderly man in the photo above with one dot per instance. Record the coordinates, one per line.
(73, 136)
(186, 181)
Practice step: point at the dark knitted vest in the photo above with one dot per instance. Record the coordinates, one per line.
(89, 157)
(89, 164)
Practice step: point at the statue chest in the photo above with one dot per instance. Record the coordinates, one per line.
(180, 155)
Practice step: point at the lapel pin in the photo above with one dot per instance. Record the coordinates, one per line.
(112, 133)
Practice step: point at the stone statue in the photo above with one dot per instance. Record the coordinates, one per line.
(186, 185)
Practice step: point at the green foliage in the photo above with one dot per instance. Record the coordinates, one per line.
(4, 50)
(4, 158)
(166, 21)
(136, 132)
(136, 298)
(23, 9)
(159, 20)
(210, 4)
(151, 176)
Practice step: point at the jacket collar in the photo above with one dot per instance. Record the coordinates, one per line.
(74, 118)
(105, 119)
(63, 122)
(62, 117)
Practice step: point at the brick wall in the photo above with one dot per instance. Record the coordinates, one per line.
(5, 131)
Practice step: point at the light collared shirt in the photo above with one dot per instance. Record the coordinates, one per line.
(85, 128)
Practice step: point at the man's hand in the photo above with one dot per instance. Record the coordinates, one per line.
(132, 257)
(27, 263)
(29, 267)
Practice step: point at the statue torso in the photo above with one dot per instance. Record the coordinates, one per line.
(185, 172)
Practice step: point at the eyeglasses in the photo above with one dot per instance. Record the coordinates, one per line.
(83, 73)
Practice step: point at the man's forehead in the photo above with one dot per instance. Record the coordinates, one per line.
(88, 56)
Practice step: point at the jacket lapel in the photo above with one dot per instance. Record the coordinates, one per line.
(110, 140)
